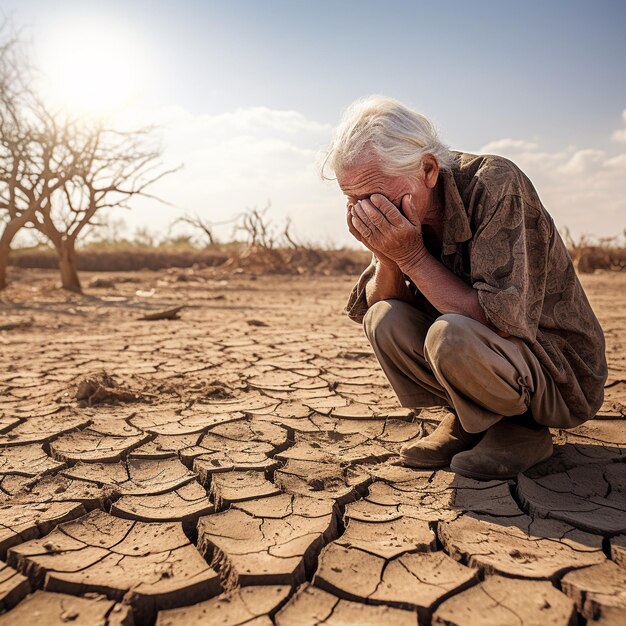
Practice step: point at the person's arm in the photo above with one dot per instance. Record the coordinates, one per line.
(387, 283)
(444, 289)
(377, 282)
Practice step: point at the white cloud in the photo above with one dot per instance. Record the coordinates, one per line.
(582, 188)
(620, 133)
(242, 159)
(583, 161)
(507, 143)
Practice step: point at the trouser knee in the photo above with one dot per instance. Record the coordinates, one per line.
(385, 324)
(448, 338)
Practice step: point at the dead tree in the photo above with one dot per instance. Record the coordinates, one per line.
(16, 206)
(38, 154)
(111, 168)
(199, 224)
(303, 255)
(56, 171)
(39, 158)
(258, 228)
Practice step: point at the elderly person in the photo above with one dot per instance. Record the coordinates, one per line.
(471, 299)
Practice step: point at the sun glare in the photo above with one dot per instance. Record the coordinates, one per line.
(93, 68)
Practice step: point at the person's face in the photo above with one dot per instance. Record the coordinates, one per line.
(361, 180)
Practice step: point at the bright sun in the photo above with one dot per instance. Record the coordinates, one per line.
(92, 68)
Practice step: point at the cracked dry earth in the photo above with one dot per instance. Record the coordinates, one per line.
(235, 466)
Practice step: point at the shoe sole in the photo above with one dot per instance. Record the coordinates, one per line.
(480, 476)
(422, 465)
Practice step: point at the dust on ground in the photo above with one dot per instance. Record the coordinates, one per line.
(231, 461)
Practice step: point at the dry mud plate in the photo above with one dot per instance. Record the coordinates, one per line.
(234, 464)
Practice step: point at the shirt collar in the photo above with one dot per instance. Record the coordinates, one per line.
(456, 227)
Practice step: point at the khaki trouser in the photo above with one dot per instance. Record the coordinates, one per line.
(481, 375)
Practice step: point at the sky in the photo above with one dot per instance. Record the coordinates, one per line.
(247, 93)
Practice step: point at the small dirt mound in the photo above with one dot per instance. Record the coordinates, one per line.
(101, 283)
(101, 388)
(211, 390)
(216, 391)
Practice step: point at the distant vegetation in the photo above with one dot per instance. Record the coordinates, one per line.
(605, 253)
(264, 254)
(256, 247)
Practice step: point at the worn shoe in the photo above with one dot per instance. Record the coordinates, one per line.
(438, 448)
(504, 452)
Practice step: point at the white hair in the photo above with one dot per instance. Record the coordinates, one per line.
(388, 131)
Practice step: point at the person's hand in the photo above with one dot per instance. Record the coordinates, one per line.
(384, 260)
(385, 230)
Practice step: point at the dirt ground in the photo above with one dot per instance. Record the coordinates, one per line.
(235, 466)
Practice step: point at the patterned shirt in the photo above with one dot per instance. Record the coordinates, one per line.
(499, 239)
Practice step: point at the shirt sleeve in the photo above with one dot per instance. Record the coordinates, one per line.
(357, 302)
(508, 261)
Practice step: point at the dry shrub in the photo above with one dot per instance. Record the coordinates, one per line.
(605, 253)
(289, 261)
(258, 260)
(102, 388)
(263, 252)
(268, 252)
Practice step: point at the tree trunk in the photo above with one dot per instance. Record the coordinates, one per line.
(8, 233)
(5, 249)
(67, 266)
